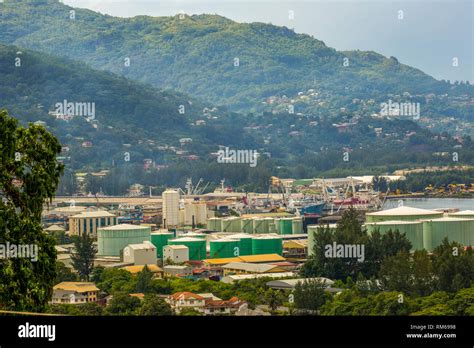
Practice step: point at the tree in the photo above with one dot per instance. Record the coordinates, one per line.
(123, 304)
(29, 176)
(395, 273)
(453, 266)
(64, 274)
(154, 305)
(83, 256)
(90, 308)
(274, 299)
(144, 280)
(310, 295)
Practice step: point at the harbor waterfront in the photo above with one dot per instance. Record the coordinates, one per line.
(432, 203)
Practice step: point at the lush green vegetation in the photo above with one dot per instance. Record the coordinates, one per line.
(29, 176)
(196, 54)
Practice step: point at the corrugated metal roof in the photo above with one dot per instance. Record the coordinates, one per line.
(138, 268)
(253, 267)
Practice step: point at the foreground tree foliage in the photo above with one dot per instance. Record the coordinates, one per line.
(29, 176)
(83, 256)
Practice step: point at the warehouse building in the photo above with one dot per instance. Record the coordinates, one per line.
(175, 253)
(250, 268)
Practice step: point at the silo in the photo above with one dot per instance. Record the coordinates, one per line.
(455, 229)
(159, 240)
(170, 207)
(267, 245)
(297, 225)
(197, 247)
(402, 214)
(224, 248)
(245, 243)
(112, 239)
(312, 231)
(412, 229)
(247, 225)
(286, 226)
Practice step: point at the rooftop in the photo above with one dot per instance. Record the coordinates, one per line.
(404, 211)
(124, 227)
(253, 267)
(93, 214)
(138, 268)
(76, 286)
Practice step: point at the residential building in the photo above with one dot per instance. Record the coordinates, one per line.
(74, 293)
(184, 300)
(177, 271)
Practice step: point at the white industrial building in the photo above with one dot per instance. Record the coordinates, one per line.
(176, 253)
(140, 254)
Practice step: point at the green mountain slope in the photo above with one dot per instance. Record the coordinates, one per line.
(125, 112)
(208, 56)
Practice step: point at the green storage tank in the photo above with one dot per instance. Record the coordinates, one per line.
(197, 247)
(286, 226)
(245, 243)
(159, 240)
(112, 239)
(297, 226)
(412, 229)
(193, 235)
(315, 229)
(224, 248)
(260, 225)
(465, 214)
(275, 226)
(455, 229)
(267, 245)
(402, 214)
(214, 224)
(247, 225)
(232, 224)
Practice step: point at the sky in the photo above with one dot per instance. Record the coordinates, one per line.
(435, 36)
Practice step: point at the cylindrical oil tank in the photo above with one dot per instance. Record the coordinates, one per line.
(247, 225)
(402, 214)
(412, 229)
(267, 245)
(286, 226)
(455, 229)
(197, 247)
(112, 239)
(245, 243)
(236, 224)
(313, 230)
(159, 240)
(224, 248)
(297, 225)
